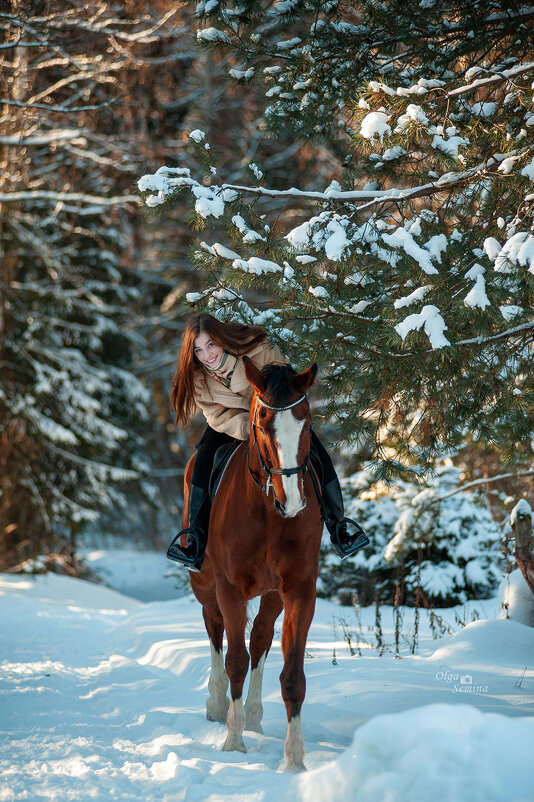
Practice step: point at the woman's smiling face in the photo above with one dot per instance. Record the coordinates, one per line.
(207, 352)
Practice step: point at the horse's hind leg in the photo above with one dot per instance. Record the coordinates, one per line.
(261, 639)
(299, 606)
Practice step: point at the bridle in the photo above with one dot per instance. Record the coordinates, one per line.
(266, 469)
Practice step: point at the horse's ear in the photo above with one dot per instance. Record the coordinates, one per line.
(304, 380)
(253, 375)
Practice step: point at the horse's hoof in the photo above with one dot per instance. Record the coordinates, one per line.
(296, 767)
(233, 744)
(254, 726)
(217, 712)
(217, 719)
(254, 714)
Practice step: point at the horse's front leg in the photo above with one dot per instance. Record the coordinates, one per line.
(217, 702)
(234, 609)
(299, 606)
(261, 639)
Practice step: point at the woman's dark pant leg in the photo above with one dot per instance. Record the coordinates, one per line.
(346, 535)
(206, 448)
(192, 554)
(330, 487)
(321, 460)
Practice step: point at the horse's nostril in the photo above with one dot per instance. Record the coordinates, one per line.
(289, 511)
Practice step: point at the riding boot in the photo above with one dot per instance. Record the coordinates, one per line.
(192, 554)
(346, 535)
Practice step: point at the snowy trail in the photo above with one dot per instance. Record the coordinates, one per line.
(102, 697)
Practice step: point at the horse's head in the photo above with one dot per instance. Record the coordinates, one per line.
(280, 422)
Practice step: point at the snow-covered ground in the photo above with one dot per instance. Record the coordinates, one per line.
(145, 575)
(102, 698)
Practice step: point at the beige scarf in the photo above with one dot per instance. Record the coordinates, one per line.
(224, 370)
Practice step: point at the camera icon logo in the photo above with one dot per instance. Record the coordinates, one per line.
(466, 679)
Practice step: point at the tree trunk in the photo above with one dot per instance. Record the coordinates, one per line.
(522, 527)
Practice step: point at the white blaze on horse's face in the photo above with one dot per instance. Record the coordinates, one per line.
(287, 432)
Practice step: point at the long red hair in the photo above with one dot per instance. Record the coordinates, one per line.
(235, 338)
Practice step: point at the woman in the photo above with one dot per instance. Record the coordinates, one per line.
(210, 374)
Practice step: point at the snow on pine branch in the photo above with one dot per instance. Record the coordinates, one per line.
(402, 238)
(519, 250)
(477, 295)
(413, 297)
(213, 35)
(52, 430)
(256, 265)
(431, 320)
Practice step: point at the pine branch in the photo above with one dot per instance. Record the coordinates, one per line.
(22, 139)
(506, 75)
(150, 35)
(64, 109)
(92, 464)
(502, 335)
(478, 482)
(373, 196)
(73, 197)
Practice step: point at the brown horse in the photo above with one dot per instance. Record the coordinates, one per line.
(264, 538)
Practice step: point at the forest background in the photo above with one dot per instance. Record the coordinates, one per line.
(96, 287)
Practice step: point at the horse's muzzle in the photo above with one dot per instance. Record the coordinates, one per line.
(285, 513)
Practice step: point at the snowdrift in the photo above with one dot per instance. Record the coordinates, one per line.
(103, 698)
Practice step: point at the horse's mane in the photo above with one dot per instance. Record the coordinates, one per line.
(277, 388)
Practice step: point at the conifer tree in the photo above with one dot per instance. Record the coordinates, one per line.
(72, 412)
(431, 545)
(410, 277)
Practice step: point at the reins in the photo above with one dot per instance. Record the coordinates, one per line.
(266, 469)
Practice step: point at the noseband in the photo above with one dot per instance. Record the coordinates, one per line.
(267, 470)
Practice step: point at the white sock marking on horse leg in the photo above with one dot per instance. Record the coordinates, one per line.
(294, 748)
(287, 431)
(253, 705)
(217, 701)
(235, 721)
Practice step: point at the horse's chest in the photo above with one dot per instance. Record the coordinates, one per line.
(256, 582)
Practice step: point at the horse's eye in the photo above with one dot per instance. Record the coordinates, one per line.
(263, 414)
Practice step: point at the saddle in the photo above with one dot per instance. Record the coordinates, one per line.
(221, 460)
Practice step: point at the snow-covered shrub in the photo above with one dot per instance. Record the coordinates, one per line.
(445, 549)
